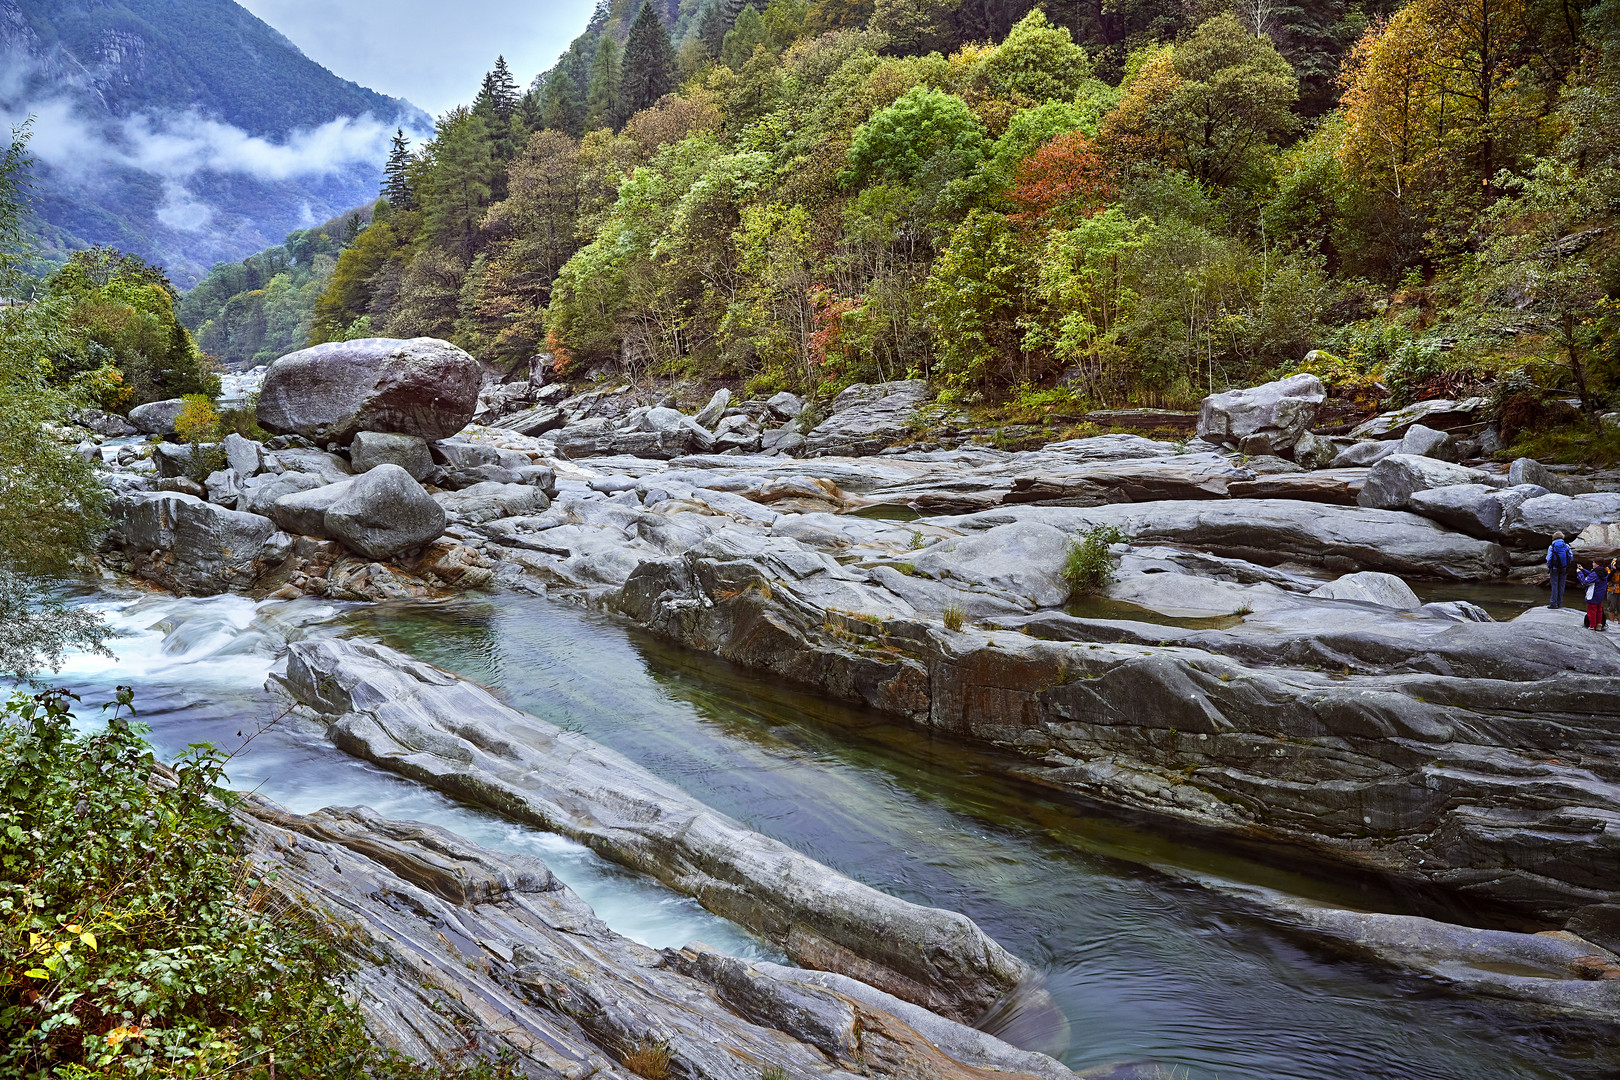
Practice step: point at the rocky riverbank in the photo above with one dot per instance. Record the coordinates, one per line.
(1263, 673)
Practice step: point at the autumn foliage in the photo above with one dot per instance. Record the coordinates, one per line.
(1063, 182)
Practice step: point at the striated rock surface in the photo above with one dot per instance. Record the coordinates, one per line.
(331, 392)
(1263, 419)
(445, 732)
(463, 951)
(191, 546)
(866, 418)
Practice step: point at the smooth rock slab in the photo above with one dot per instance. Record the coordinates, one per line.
(1392, 482)
(384, 512)
(443, 731)
(332, 392)
(867, 418)
(1372, 587)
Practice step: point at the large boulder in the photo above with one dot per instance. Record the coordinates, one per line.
(384, 512)
(332, 392)
(258, 494)
(193, 547)
(1262, 419)
(1425, 442)
(1361, 454)
(243, 455)
(156, 417)
(1391, 483)
(1442, 414)
(1537, 520)
(372, 448)
(867, 418)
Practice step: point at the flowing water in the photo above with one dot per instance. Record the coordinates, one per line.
(1148, 967)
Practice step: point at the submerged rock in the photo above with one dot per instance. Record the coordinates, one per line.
(331, 392)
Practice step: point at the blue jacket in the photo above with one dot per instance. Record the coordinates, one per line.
(1596, 583)
(1558, 554)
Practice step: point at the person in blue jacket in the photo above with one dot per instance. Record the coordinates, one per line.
(1596, 583)
(1559, 557)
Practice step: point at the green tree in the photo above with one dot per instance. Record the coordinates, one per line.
(604, 105)
(396, 174)
(1037, 62)
(561, 106)
(649, 62)
(461, 180)
(741, 40)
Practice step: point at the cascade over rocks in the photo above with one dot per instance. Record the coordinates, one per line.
(331, 392)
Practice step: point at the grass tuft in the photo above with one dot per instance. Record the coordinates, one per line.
(1087, 566)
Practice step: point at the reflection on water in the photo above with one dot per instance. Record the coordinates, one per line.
(1146, 966)
(1503, 600)
(1101, 607)
(1149, 968)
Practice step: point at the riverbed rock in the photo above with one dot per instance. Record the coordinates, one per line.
(193, 547)
(307, 459)
(1392, 481)
(467, 954)
(710, 413)
(1263, 419)
(383, 512)
(258, 494)
(331, 392)
(1022, 561)
(372, 448)
(1425, 442)
(1314, 452)
(1372, 587)
(443, 731)
(1476, 509)
(1535, 521)
(785, 405)
(867, 418)
(303, 512)
(157, 417)
(244, 456)
(1442, 414)
(1365, 453)
(109, 425)
(488, 501)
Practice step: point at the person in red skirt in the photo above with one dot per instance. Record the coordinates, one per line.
(1596, 583)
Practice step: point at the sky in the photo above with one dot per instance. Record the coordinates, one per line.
(430, 52)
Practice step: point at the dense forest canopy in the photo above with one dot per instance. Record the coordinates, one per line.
(1131, 204)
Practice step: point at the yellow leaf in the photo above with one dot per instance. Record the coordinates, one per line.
(88, 938)
(36, 973)
(73, 928)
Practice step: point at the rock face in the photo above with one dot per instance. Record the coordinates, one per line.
(372, 448)
(466, 952)
(1370, 587)
(1441, 414)
(867, 418)
(442, 731)
(194, 547)
(331, 392)
(156, 417)
(1264, 419)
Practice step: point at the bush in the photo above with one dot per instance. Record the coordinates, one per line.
(1087, 566)
(135, 937)
(198, 421)
(955, 616)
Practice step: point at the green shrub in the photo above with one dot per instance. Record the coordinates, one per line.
(1086, 565)
(135, 937)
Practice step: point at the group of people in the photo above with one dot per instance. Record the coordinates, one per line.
(1600, 583)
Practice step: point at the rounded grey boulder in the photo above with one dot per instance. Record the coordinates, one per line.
(330, 393)
(384, 512)
(156, 417)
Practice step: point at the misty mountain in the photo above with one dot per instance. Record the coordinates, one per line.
(188, 132)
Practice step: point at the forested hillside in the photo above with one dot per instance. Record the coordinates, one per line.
(1049, 205)
(182, 131)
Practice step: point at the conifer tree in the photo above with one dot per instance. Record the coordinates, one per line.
(605, 100)
(396, 174)
(500, 90)
(711, 28)
(649, 62)
(560, 106)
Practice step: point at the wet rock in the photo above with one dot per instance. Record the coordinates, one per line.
(448, 733)
(1371, 587)
(156, 417)
(867, 418)
(193, 547)
(331, 392)
(372, 448)
(1263, 419)
(1392, 482)
(383, 512)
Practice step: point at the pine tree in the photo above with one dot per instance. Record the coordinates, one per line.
(711, 28)
(560, 105)
(649, 62)
(605, 99)
(396, 174)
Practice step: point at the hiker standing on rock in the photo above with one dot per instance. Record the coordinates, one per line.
(1558, 559)
(1613, 606)
(1596, 583)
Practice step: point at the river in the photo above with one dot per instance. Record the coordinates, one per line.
(1149, 966)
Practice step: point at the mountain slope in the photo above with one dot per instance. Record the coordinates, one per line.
(185, 131)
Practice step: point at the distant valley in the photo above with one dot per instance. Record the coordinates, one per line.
(188, 132)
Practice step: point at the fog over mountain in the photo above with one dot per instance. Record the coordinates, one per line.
(185, 131)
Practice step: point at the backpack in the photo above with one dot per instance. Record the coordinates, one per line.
(1558, 554)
